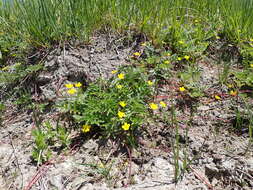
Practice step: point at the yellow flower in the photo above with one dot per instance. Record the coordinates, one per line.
(153, 106)
(217, 97)
(144, 44)
(5, 68)
(233, 93)
(72, 91)
(78, 84)
(121, 76)
(122, 104)
(187, 57)
(114, 71)
(251, 40)
(121, 114)
(168, 54)
(166, 62)
(196, 20)
(217, 37)
(118, 86)
(163, 104)
(86, 128)
(69, 85)
(136, 54)
(251, 65)
(230, 86)
(126, 126)
(150, 83)
(181, 42)
(181, 89)
(179, 58)
(101, 165)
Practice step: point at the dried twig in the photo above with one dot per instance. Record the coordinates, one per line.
(202, 178)
(130, 165)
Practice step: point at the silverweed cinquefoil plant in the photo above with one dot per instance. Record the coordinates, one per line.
(115, 108)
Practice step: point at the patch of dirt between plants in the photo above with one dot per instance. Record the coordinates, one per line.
(219, 158)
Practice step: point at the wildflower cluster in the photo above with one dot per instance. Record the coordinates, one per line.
(154, 106)
(115, 107)
(72, 88)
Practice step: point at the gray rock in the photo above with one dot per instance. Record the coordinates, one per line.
(249, 165)
(228, 165)
(90, 186)
(6, 151)
(162, 164)
(211, 170)
(203, 108)
(57, 182)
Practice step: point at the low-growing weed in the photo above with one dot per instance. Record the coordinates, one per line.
(48, 137)
(244, 78)
(224, 73)
(16, 72)
(190, 78)
(115, 108)
(100, 169)
(2, 108)
(41, 151)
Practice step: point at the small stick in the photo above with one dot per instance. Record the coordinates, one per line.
(203, 179)
(130, 165)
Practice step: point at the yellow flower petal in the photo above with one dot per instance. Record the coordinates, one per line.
(122, 104)
(153, 106)
(233, 93)
(78, 84)
(136, 54)
(181, 89)
(126, 126)
(181, 42)
(86, 128)
(217, 97)
(72, 91)
(187, 57)
(251, 65)
(144, 44)
(167, 62)
(230, 86)
(5, 68)
(69, 85)
(121, 114)
(118, 86)
(163, 104)
(114, 71)
(150, 83)
(121, 76)
(179, 58)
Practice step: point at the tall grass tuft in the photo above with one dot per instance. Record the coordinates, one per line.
(238, 18)
(43, 22)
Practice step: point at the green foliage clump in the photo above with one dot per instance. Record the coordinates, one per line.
(2, 108)
(244, 78)
(16, 72)
(46, 137)
(116, 107)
